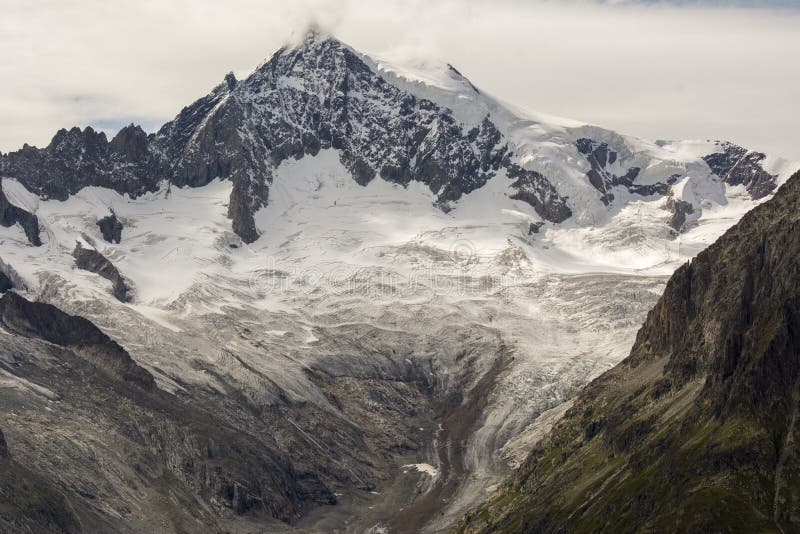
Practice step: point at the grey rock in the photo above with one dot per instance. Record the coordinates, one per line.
(537, 191)
(11, 215)
(679, 210)
(600, 156)
(738, 166)
(91, 260)
(5, 282)
(192, 450)
(43, 321)
(111, 228)
(30, 503)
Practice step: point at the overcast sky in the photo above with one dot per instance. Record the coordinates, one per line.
(654, 68)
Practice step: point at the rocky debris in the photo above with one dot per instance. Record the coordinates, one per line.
(600, 157)
(696, 430)
(111, 228)
(91, 260)
(44, 321)
(11, 215)
(679, 210)
(738, 166)
(5, 282)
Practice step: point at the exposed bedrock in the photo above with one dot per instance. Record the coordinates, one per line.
(43, 321)
(11, 215)
(739, 166)
(93, 261)
(111, 228)
(89, 425)
(242, 130)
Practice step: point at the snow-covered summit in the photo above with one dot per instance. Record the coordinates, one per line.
(418, 122)
(338, 236)
(391, 132)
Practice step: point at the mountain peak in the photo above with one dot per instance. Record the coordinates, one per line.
(312, 34)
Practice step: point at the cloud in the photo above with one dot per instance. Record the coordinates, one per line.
(665, 69)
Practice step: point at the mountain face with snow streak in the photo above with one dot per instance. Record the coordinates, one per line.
(322, 94)
(353, 283)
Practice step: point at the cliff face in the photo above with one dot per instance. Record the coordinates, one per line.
(697, 429)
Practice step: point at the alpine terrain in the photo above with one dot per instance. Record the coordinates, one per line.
(350, 293)
(696, 430)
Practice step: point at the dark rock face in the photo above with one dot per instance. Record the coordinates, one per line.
(279, 113)
(738, 166)
(77, 158)
(679, 210)
(43, 321)
(697, 430)
(111, 228)
(600, 156)
(91, 260)
(11, 215)
(534, 189)
(317, 96)
(3, 446)
(534, 228)
(5, 282)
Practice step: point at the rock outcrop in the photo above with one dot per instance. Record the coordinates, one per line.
(77, 158)
(11, 215)
(44, 321)
(5, 282)
(697, 430)
(678, 210)
(113, 430)
(318, 95)
(602, 175)
(739, 166)
(93, 261)
(111, 228)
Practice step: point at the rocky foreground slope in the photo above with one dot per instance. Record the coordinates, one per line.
(697, 430)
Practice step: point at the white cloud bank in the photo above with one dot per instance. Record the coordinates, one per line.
(681, 69)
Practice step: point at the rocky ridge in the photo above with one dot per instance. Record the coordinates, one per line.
(322, 94)
(91, 260)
